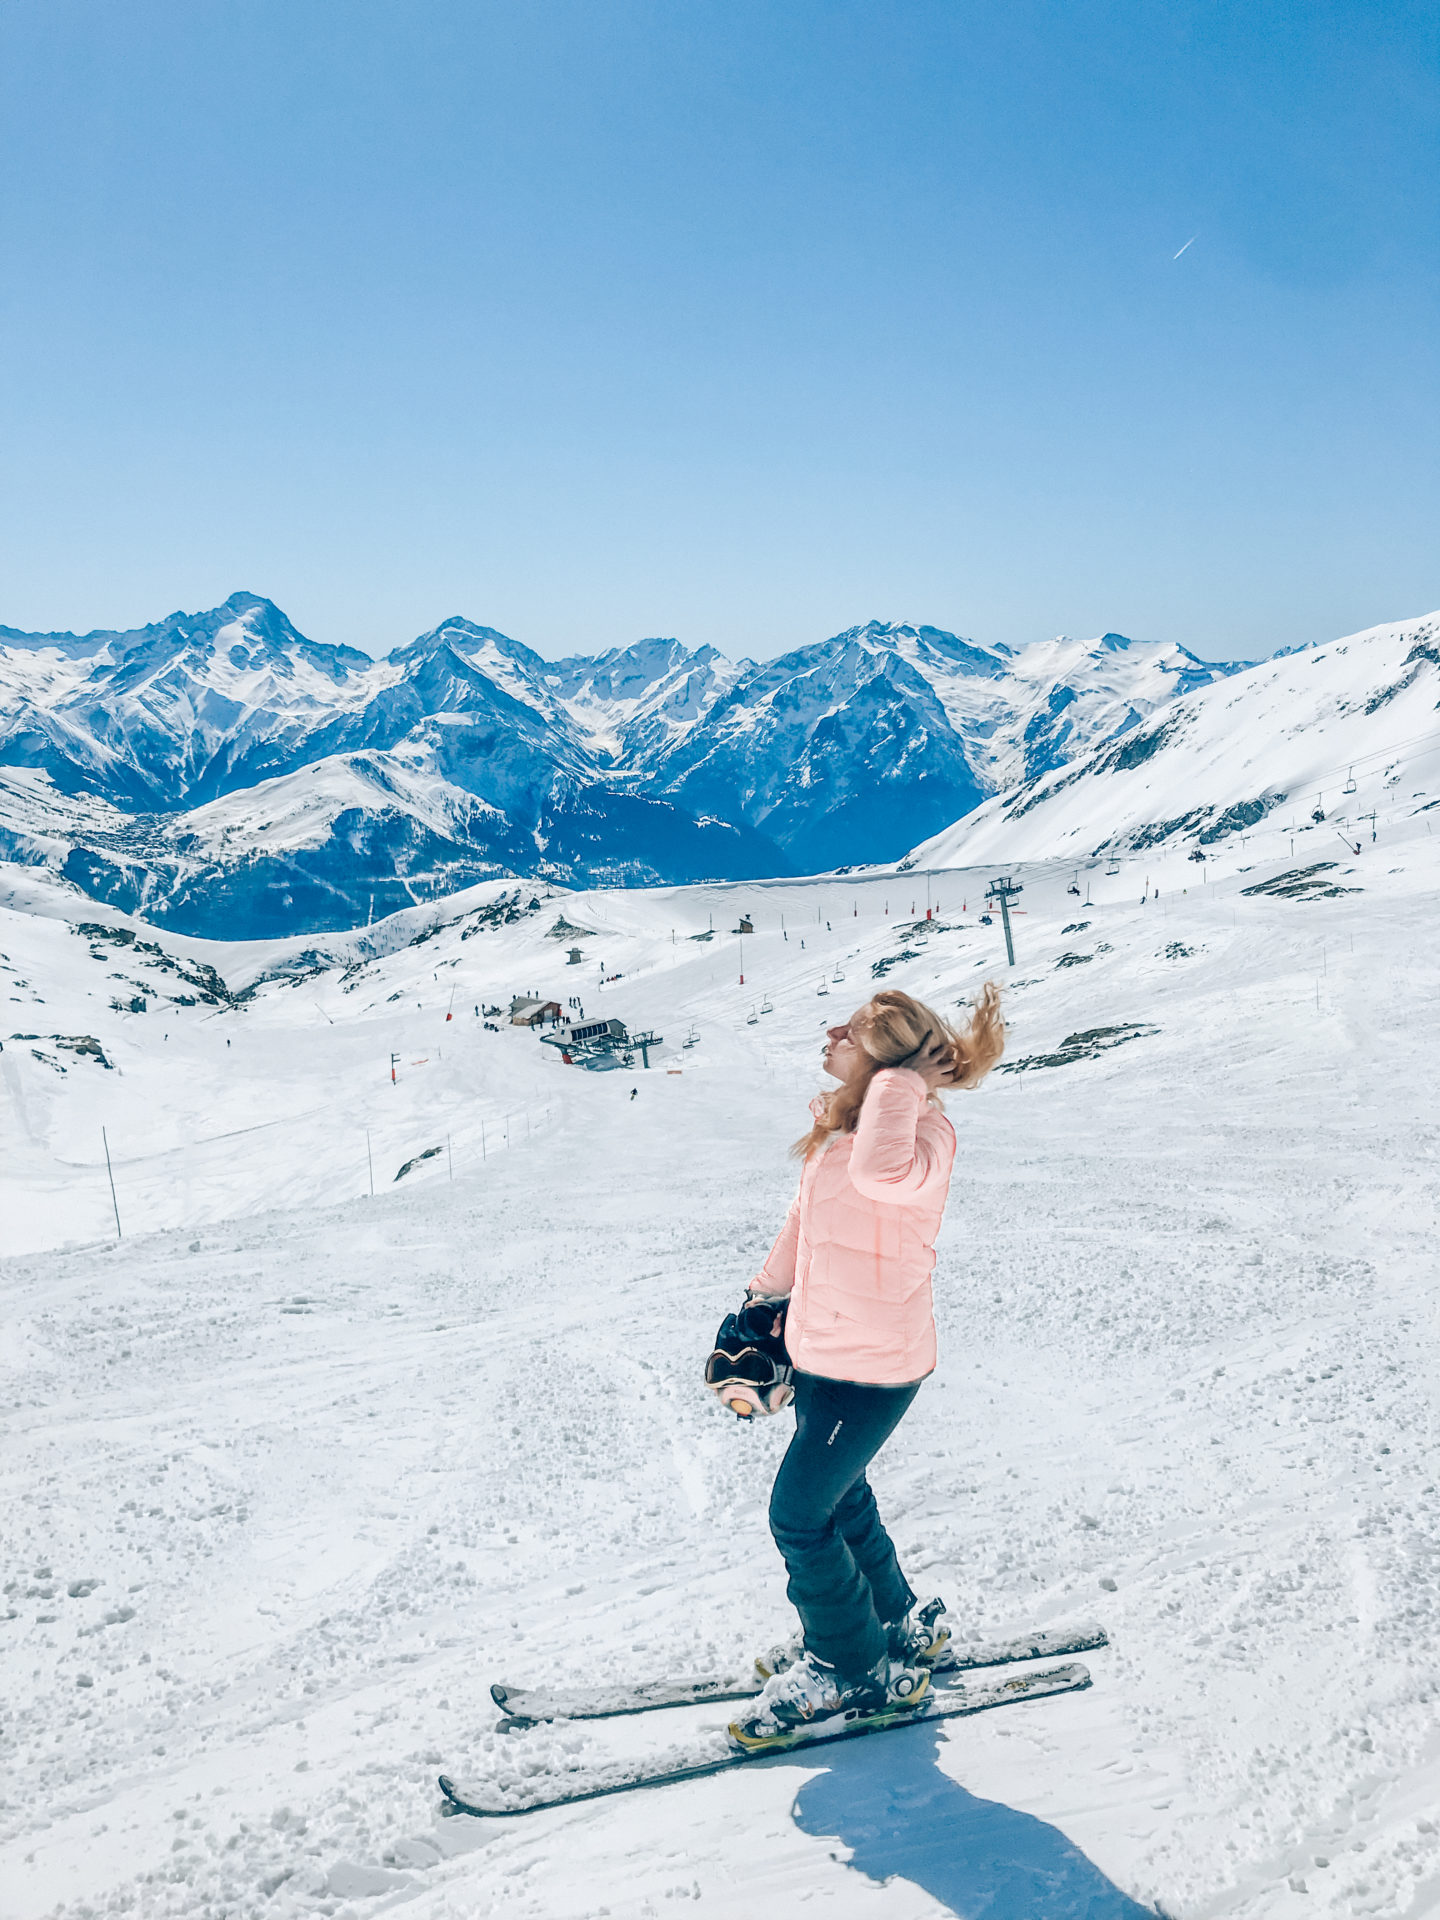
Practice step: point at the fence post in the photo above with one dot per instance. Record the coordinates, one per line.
(113, 1201)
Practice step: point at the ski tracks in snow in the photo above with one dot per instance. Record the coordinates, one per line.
(284, 1496)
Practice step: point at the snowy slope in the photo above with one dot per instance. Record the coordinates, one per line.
(293, 1472)
(1280, 742)
(1067, 694)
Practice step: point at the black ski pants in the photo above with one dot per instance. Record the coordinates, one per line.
(845, 1581)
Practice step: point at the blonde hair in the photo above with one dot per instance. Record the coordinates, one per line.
(890, 1030)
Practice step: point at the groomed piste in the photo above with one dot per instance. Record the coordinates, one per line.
(293, 1473)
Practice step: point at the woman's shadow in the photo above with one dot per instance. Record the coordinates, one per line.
(891, 1804)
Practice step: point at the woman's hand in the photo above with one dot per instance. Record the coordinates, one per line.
(935, 1063)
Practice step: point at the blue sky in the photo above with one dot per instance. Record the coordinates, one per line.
(738, 322)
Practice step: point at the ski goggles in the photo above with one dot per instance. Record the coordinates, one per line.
(749, 1382)
(749, 1379)
(749, 1368)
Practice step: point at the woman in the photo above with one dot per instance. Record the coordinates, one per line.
(853, 1261)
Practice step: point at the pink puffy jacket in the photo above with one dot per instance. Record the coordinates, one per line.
(858, 1245)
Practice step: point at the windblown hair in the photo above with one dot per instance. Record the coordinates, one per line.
(891, 1030)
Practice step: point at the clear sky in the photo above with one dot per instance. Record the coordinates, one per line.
(592, 319)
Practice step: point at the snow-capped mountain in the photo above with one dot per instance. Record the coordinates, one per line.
(225, 772)
(1327, 731)
(839, 751)
(166, 715)
(351, 836)
(634, 705)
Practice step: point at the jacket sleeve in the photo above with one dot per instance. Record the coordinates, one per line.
(777, 1276)
(896, 1159)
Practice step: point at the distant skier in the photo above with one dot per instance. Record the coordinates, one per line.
(633, 1092)
(852, 1267)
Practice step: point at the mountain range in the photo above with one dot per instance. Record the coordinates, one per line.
(224, 774)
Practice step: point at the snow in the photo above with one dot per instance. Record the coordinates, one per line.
(291, 1473)
(299, 809)
(1105, 681)
(1290, 733)
(633, 706)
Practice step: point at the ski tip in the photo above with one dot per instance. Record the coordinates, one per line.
(500, 1694)
(1092, 1633)
(455, 1802)
(1088, 1638)
(1073, 1677)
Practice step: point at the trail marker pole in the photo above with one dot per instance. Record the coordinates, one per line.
(394, 1059)
(109, 1170)
(449, 1162)
(370, 1158)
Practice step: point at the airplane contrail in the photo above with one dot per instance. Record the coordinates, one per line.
(1189, 243)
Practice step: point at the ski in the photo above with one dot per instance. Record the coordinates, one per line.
(489, 1799)
(526, 1706)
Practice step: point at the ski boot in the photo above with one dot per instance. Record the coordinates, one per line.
(919, 1639)
(915, 1641)
(809, 1699)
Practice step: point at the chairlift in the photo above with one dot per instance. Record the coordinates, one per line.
(1318, 816)
(986, 921)
(765, 1006)
(1074, 886)
(1113, 868)
(692, 1038)
(822, 989)
(752, 1018)
(837, 976)
(1350, 786)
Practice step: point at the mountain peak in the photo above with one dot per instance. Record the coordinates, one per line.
(244, 601)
